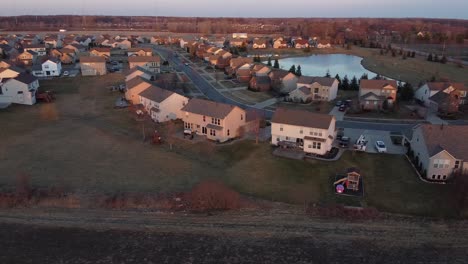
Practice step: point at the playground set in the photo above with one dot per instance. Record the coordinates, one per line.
(349, 183)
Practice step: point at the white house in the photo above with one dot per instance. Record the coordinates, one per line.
(49, 68)
(426, 91)
(161, 104)
(19, 90)
(311, 132)
(150, 63)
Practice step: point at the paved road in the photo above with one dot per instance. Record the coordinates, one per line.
(208, 90)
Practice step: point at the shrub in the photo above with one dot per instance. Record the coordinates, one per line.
(212, 196)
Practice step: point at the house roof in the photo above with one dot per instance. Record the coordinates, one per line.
(304, 90)
(144, 59)
(138, 49)
(156, 94)
(262, 79)
(439, 86)
(301, 41)
(208, 108)
(439, 97)
(101, 49)
(324, 81)
(377, 84)
(302, 118)
(371, 94)
(25, 78)
(277, 74)
(93, 59)
(135, 82)
(444, 137)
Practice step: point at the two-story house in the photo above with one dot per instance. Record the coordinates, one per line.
(93, 65)
(49, 68)
(377, 94)
(103, 52)
(216, 121)
(441, 151)
(150, 63)
(20, 89)
(313, 133)
(140, 52)
(38, 48)
(162, 105)
(315, 89)
(443, 96)
(134, 87)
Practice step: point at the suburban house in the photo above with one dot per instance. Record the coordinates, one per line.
(103, 52)
(138, 72)
(39, 49)
(77, 48)
(49, 68)
(277, 76)
(162, 105)
(442, 96)
(301, 44)
(235, 63)
(243, 73)
(313, 133)
(19, 90)
(315, 89)
(237, 42)
(150, 63)
(11, 72)
(93, 65)
(259, 44)
(66, 56)
(323, 45)
(27, 57)
(260, 70)
(280, 44)
(122, 44)
(216, 121)
(260, 83)
(140, 52)
(52, 42)
(377, 94)
(4, 64)
(440, 151)
(134, 87)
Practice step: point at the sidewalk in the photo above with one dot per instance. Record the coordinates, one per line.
(266, 103)
(338, 115)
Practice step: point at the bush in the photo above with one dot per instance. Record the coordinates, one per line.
(212, 196)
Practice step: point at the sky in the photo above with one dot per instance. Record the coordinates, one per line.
(241, 8)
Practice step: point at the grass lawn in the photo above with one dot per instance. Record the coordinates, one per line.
(254, 97)
(401, 112)
(316, 107)
(231, 84)
(81, 143)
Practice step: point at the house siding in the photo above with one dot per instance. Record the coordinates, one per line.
(169, 109)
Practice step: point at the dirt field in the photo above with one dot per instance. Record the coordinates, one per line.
(266, 236)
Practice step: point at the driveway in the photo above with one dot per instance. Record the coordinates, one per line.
(338, 114)
(372, 136)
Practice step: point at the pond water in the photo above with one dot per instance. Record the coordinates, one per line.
(318, 65)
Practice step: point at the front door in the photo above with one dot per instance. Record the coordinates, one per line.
(47, 73)
(204, 130)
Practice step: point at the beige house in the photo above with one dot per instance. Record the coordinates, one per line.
(315, 89)
(93, 65)
(134, 87)
(259, 44)
(162, 105)
(374, 94)
(140, 52)
(103, 52)
(150, 63)
(19, 90)
(280, 44)
(216, 121)
(311, 132)
(440, 151)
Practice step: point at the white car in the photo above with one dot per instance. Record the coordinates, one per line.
(66, 73)
(380, 146)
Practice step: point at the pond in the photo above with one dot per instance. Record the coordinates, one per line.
(318, 65)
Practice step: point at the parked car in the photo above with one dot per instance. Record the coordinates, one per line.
(342, 108)
(338, 103)
(114, 62)
(380, 146)
(348, 103)
(66, 73)
(344, 142)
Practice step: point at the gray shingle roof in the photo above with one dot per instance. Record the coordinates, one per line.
(301, 118)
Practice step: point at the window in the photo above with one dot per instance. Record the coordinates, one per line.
(320, 134)
(438, 177)
(281, 128)
(316, 145)
(300, 131)
(433, 176)
(277, 139)
(309, 146)
(444, 177)
(212, 132)
(242, 117)
(216, 121)
(228, 132)
(457, 164)
(46, 66)
(316, 90)
(441, 163)
(287, 138)
(204, 130)
(204, 118)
